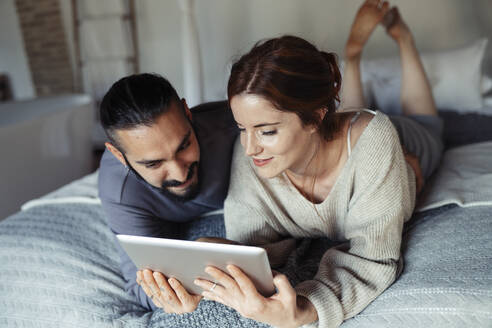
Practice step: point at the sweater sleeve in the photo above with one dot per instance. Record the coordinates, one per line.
(352, 275)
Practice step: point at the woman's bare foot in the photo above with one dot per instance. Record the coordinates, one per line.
(395, 26)
(369, 15)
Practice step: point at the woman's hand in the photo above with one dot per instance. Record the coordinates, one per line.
(167, 294)
(283, 309)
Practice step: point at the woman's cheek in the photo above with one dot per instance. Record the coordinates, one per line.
(267, 140)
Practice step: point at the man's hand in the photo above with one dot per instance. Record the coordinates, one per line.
(414, 163)
(167, 294)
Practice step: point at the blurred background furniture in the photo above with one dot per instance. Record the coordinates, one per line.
(44, 144)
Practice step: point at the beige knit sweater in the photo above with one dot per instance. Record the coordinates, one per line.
(372, 197)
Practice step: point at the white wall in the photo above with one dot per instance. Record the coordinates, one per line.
(13, 60)
(228, 28)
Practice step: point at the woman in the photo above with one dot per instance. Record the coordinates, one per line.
(310, 171)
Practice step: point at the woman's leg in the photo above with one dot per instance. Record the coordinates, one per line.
(369, 15)
(416, 93)
(420, 127)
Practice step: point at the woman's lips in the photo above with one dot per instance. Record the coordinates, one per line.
(262, 162)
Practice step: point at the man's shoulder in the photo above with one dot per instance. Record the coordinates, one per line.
(214, 118)
(211, 107)
(112, 178)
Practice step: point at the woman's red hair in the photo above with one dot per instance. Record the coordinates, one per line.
(295, 77)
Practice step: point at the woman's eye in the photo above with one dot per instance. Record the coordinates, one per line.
(269, 133)
(241, 130)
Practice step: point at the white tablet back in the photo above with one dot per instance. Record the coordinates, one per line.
(186, 260)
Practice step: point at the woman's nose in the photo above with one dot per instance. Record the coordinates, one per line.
(251, 146)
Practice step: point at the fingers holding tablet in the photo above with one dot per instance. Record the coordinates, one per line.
(189, 302)
(169, 295)
(227, 287)
(142, 283)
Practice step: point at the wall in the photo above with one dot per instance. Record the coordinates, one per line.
(13, 60)
(46, 46)
(228, 28)
(68, 24)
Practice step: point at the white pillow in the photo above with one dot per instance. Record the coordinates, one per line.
(455, 77)
(487, 102)
(486, 85)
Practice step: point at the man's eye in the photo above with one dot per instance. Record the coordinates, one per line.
(152, 165)
(269, 133)
(241, 130)
(184, 146)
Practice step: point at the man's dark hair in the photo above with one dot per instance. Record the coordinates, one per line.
(135, 100)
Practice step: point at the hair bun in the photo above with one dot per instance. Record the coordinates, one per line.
(332, 59)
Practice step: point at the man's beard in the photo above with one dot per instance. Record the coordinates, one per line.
(189, 193)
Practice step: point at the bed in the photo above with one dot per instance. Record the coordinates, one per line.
(60, 268)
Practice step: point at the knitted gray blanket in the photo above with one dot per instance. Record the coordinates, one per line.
(59, 268)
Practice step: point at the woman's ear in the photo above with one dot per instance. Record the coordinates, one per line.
(320, 113)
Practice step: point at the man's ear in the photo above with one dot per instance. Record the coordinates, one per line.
(186, 109)
(116, 153)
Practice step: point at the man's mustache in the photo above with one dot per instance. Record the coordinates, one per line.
(176, 183)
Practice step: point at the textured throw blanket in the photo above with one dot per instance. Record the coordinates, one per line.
(59, 268)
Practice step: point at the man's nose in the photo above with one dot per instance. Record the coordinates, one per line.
(177, 171)
(251, 147)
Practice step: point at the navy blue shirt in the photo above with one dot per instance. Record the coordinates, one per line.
(133, 207)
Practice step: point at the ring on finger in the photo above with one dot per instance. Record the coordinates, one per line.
(213, 286)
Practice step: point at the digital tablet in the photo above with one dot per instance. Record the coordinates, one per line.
(186, 260)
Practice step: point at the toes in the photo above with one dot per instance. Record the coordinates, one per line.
(390, 18)
(385, 7)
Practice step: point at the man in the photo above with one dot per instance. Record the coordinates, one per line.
(165, 165)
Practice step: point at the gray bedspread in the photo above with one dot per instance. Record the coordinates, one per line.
(59, 268)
